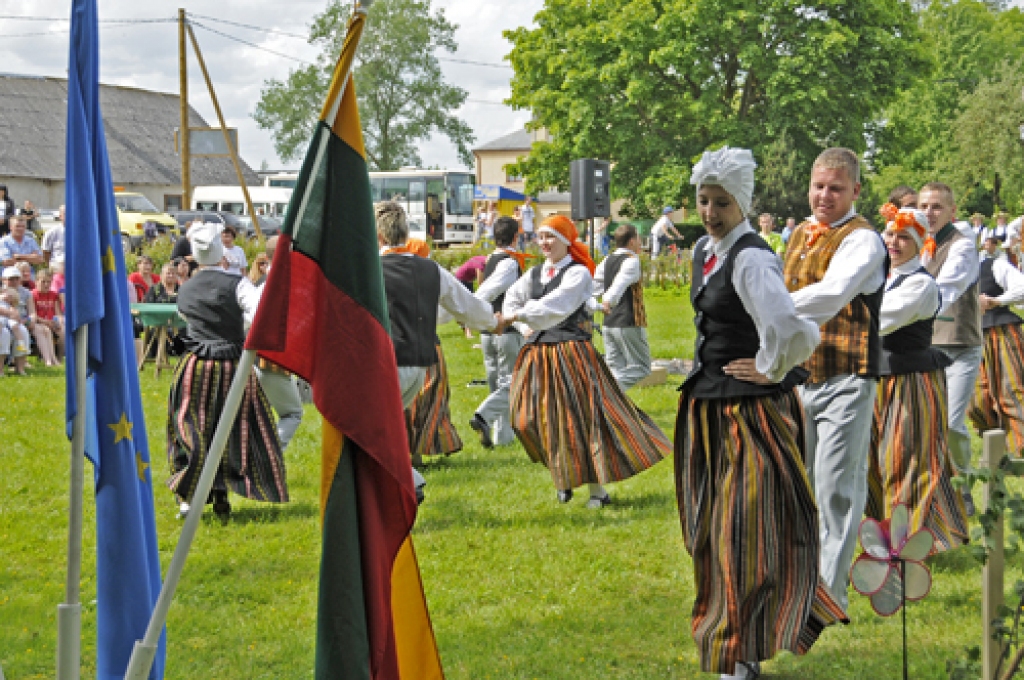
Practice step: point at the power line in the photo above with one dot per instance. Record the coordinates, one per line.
(251, 44)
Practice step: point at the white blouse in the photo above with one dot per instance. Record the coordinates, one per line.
(576, 288)
(916, 299)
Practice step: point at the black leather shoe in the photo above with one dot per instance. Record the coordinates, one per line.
(482, 429)
(599, 501)
(221, 507)
(565, 496)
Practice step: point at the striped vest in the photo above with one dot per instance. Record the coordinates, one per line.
(850, 343)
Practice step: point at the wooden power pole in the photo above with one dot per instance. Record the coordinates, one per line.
(183, 140)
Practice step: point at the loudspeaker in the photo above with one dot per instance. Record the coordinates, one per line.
(591, 195)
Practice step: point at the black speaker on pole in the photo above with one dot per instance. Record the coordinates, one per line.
(591, 188)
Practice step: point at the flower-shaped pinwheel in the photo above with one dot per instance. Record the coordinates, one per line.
(891, 569)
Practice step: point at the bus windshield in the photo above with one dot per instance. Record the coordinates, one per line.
(460, 194)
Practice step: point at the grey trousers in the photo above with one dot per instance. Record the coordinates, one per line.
(839, 413)
(961, 377)
(500, 352)
(627, 354)
(283, 395)
(410, 381)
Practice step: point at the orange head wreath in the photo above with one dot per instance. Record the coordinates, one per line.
(913, 221)
(564, 230)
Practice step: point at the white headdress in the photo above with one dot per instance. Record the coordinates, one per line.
(206, 244)
(731, 169)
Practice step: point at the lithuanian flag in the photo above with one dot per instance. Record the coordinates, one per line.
(324, 317)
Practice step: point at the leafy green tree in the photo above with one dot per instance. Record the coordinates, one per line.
(649, 84)
(403, 97)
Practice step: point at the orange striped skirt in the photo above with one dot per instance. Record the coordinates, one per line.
(571, 415)
(999, 394)
(751, 525)
(909, 460)
(429, 419)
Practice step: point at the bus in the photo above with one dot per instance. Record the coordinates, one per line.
(438, 203)
(266, 200)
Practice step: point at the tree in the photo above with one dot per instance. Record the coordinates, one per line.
(403, 97)
(649, 84)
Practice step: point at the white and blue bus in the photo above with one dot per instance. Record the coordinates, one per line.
(439, 203)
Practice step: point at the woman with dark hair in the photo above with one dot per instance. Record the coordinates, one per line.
(216, 305)
(6, 210)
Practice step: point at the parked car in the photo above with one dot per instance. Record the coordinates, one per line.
(140, 220)
(241, 223)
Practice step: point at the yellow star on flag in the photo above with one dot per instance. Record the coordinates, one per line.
(141, 466)
(109, 264)
(122, 429)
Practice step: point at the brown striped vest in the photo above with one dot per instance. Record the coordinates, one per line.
(850, 343)
(960, 325)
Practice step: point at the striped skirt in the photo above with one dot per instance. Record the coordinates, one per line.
(909, 461)
(429, 420)
(751, 525)
(999, 394)
(571, 415)
(252, 465)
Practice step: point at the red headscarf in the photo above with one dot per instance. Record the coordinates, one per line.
(565, 229)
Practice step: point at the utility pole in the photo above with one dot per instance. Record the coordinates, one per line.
(183, 140)
(227, 134)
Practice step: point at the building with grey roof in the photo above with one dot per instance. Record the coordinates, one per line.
(140, 128)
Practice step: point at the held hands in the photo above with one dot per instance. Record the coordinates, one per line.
(987, 302)
(503, 322)
(607, 307)
(744, 369)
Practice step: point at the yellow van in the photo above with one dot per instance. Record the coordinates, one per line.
(140, 220)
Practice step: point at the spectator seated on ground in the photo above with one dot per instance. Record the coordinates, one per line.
(27, 315)
(167, 292)
(57, 268)
(14, 338)
(27, 274)
(50, 309)
(143, 277)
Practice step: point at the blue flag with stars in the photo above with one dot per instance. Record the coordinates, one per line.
(127, 558)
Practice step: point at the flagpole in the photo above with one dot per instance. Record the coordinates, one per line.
(145, 649)
(69, 614)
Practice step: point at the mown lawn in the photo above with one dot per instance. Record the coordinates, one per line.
(518, 585)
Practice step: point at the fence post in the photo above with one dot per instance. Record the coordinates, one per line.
(992, 574)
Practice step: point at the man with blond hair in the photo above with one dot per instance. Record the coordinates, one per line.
(954, 264)
(835, 269)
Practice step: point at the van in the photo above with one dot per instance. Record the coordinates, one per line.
(139, 220)
(270, 201)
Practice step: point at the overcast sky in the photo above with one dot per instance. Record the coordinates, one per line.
(146, 56)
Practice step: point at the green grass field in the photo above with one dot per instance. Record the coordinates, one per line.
(518, 585)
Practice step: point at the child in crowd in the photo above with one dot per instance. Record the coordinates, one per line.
(50, 311)
(26, 275)
(14, 340)
(57, 268)
(234, 261)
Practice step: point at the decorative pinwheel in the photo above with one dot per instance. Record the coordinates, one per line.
(891, 569)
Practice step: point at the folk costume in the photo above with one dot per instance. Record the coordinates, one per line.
(954, 265)
(835, 273)
(216, 305)
(567, 409)
(909, 460)
(998, 401)
(745, 503)
(617, 282)
(415, 287)
(493, 419)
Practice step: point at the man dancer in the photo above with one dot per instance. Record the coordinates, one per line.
(503, 268)
(617, 282)
(835, 269)
(955, 266)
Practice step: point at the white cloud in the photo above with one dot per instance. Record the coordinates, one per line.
(146, 56)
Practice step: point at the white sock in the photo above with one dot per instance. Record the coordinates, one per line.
(597, 491)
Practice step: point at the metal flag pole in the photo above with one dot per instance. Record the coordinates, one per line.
(69, 614)
(145, 649)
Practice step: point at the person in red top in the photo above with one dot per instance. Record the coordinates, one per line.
(50, 309)
(143, 277)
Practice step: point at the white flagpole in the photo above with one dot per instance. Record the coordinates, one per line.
(145, 649)
(69, 614)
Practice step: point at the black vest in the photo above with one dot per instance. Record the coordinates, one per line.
(622, 314)
(412, 286)
(997, 316)
(909, 349)
(496, 258)
(577, 326)
(216, 324)
(725, 331)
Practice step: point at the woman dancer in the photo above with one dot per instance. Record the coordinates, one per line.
(998, 400)
(746, 506)
(566, 407)
(216, 306)
(909, 460)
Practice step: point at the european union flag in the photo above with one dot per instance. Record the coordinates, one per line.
(127, 560)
